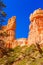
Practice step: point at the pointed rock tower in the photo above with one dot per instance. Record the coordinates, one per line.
(10, 30)
(36, 27)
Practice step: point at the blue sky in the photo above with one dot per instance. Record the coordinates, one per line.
(22, 10)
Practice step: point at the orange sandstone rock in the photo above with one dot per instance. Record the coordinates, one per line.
(35, 34)
(36, 27)
(18, 42)
(11, 24)
(10, 30)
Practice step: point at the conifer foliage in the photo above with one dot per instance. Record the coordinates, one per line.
(2, 13)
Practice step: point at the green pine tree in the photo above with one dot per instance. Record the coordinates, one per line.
(2, 13)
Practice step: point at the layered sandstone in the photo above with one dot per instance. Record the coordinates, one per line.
(36, 27)
(35, 34)
(10, 40)
(9, 30)
(18, 42)
(11, 24)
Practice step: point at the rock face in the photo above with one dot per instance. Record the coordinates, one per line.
(11, 24)
(36, 27)
(9, 30)
(35, 34)
(18, 42)
(22, 41)
(10, 40)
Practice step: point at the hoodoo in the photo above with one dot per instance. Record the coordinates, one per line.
(36, 27)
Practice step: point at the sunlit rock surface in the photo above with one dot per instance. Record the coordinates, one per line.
(36, 27)
(10, 40)
(9, 30)
(35, 34)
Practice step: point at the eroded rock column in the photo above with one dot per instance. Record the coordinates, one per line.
(9, 29)
(36, 27)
